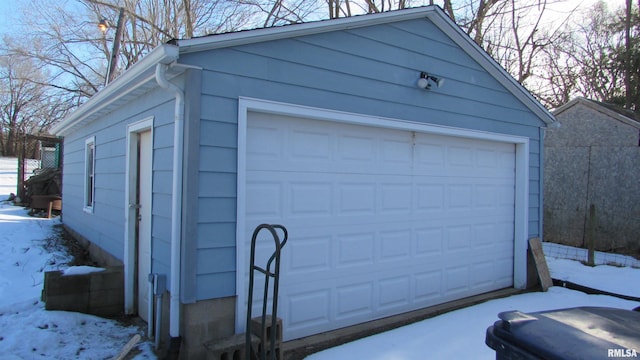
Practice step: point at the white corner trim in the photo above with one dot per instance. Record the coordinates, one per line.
(521, 223)
(241, 202)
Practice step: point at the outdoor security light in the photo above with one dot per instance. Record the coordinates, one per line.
(425, 80)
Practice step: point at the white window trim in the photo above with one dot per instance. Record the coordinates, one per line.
(88, 208)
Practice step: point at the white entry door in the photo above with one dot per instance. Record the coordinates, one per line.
(381, 221)
(144, 184)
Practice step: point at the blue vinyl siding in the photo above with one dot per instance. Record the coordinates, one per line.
(371, 70)
(105, 227)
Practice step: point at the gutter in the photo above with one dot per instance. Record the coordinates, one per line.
(176, 199)
(138, 75)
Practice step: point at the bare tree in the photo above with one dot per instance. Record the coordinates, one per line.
(607, 53)
(65, 39)
(67, 56)
(26, 105)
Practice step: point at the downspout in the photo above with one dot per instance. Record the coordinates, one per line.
(176, 200)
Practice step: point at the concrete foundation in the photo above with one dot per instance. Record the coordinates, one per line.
(97, 254)
(205, 321)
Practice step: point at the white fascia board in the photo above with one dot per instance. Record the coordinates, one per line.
(455, 33)
(138, 75)
(244, 37)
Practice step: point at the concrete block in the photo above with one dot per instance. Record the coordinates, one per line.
(277, 351)
(108, 297)
(230, 348)
(256, 329)
(71, 302)
(55, 283)
(97, 293)
(110, 278)
(204, 321)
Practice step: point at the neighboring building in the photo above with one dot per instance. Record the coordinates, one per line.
(592, 156)
(396, 197)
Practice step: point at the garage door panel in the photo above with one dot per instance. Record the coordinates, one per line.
(395, 245)
(356, 196)
(438, 154)
(354, 250)
(307, 145)
(427, 285)
(310, 198)
(354, 300)
(430, 197)
(456, 280)
(393, 292)
(307, 309)
(380, 221)
(264, 199)
(484, 273)
(309, 255)
(428, 241)
(318, 249)
(458, 238)
(264, 144)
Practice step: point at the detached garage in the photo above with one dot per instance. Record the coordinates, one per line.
(399, 190)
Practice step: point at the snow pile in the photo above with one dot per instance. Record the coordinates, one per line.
(81, 270)
(27, 330)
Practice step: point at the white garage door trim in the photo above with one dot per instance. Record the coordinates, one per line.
(247, 105)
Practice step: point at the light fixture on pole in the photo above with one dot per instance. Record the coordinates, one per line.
(104, 25)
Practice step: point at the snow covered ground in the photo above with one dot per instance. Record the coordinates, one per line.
(27, 331)
(460, 334)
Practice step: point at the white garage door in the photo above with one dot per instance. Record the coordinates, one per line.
(381, 221)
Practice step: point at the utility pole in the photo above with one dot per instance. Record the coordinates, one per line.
(627, 56)
(113, 60)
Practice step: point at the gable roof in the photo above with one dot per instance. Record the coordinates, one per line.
(615, 112)
(434, 13)
(165, 53)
